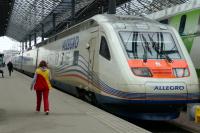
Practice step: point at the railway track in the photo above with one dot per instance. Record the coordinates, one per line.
(161, 127)
(180, 125)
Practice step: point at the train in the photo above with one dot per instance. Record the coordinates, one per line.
(185, 18)
(131, 65)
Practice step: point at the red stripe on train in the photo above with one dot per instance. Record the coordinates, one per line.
(159, 68)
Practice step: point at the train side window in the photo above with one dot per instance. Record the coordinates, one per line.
(182, 24)
(104, 50)
(198, 30)
(61, 56)
(76, 55)
(165, 21)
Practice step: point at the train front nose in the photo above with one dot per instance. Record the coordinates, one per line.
(166, 92)
(165, 82)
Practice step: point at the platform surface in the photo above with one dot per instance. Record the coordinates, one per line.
(67, 113)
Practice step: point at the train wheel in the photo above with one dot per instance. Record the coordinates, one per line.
(87, 96)
(80, 93)
(91, 98)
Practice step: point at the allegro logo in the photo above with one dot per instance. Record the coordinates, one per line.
(169, 88)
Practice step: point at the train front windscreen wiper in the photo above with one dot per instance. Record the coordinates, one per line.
(165, 53)
(145, 48)
(166, 56)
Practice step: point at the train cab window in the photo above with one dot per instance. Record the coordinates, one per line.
(104, 50)
(182, 24)
(150, 45)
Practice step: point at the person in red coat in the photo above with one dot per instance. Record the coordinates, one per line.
(41, 84)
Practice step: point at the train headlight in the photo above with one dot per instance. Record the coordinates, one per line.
(141, 71)
(181, 72)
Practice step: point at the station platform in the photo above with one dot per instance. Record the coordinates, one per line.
(67, 113)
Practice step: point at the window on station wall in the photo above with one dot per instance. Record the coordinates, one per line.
(104, 50)
(165, 21)
(182, 24)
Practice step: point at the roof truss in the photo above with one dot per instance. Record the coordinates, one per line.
(28, 16)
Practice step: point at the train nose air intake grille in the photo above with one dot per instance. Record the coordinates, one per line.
(162, 72)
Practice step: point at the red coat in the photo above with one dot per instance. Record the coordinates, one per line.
(42, 79)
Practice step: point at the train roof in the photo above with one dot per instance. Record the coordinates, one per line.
(139, 22)
(179, 9)
(120, 18)
(98, 20)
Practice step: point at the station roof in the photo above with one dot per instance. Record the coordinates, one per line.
(5, 10)
(144, 7)
(21, 19)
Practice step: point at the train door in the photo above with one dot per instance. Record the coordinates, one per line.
(36, 61)
(91, 61)
(61, 57)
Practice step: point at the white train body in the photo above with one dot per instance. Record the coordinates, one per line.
(124, 61)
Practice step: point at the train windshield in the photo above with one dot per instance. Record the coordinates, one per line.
(149, 45)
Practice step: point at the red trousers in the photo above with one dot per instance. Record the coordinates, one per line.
(45, 94)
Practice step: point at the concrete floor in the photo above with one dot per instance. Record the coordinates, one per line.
(67, 113)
